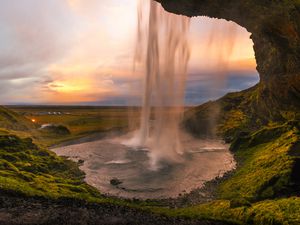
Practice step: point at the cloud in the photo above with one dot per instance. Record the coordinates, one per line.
(30, 39)
(78, 51)
(203, 87)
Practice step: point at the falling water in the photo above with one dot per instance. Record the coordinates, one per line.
(164, 60)
(162, 54)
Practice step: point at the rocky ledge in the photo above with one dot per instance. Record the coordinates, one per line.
(16, 210)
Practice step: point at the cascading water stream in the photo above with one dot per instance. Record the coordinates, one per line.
(164, 62)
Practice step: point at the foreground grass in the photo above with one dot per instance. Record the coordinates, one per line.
(25, 168)
(266, 165)
(268, 212)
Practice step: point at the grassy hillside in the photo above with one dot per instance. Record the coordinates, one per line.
(268, 164)
(237, 113)
(10, 120)
(32, 171)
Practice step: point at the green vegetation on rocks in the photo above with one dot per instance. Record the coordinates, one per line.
(269, 212)
(265, 165)
(29, 170)
(11, 120)
(263, 188)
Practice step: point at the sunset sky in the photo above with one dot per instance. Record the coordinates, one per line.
(81, 52)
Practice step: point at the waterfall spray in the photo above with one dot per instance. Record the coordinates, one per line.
(164, 60)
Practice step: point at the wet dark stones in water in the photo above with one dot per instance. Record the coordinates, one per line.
(115, 182)
(80, 162)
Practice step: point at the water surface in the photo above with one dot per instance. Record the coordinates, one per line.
(107, 159)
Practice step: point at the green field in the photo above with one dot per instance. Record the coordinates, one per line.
(81, 121)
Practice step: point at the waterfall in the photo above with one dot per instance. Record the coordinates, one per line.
(163, 51)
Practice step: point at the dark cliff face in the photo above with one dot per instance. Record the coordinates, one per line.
(275, 28)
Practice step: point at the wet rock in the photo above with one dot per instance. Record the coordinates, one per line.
(80, 162)
(55, 129)
(115, 182)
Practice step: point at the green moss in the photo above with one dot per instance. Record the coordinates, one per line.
(269, 212)
(27, 169)
(13, 121)
(244, 111)
(265, 165)
(235, 120)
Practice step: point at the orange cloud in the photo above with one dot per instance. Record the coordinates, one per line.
(243, 65)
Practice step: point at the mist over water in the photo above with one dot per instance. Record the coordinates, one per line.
(221, 43)
(164, 54)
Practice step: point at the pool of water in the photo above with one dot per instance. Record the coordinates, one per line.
(109, 159)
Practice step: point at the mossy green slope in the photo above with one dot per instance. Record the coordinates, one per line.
(11, 120)
(29, 170)
(269, 212)
(236, 113)
(265, 166)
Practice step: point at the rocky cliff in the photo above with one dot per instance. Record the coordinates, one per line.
(275, 28)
